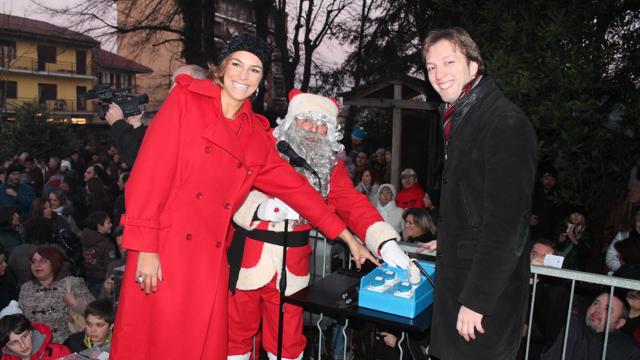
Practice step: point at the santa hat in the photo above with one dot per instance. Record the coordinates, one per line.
(319, 107)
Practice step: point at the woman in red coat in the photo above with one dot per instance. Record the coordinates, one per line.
(201, 155)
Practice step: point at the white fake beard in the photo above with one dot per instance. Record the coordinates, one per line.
(317, 150)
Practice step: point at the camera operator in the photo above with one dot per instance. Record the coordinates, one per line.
(126, 132)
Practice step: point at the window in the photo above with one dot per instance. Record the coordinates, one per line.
(80, 93)
(81, 62)
(8, 89)
(46, 54)
(7, 52)
(47, 92)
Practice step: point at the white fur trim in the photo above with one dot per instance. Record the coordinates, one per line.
(246, 356)
(302, 103)
(244, 215)
(270, 263)
(274, 357)
(377, 233)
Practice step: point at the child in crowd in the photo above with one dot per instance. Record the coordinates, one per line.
(99, 316)
(98, 250)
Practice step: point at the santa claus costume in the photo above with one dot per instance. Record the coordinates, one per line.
(311, 129)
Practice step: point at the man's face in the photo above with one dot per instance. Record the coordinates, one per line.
(361, 159)
(97, 329)
(52, 163)
(380, 158)
(89, 173)
(549, 182)
(20, 343)
(596, 317)
(312, 127)
(408, 181)
(14, 177)
(449, 70)
(538, 252)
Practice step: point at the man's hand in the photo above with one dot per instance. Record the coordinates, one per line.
(393, 255)
(468, 322)
(11, 192)
(135, 120)
(114, 114)
(148, 271)
(359, 252)
(428, 246)
(272, 210)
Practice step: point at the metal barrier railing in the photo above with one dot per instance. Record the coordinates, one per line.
(572, 275)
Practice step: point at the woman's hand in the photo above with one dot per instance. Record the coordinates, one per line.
(359, 252)
(389, 339)
(148, 271)
(69, 299)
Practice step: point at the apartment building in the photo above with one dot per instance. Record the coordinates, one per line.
(53, 66)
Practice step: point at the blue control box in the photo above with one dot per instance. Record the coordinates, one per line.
(387, 289)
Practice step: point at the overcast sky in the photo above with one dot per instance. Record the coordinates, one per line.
(330, 53)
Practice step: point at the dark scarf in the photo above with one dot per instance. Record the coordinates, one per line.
(450, 109)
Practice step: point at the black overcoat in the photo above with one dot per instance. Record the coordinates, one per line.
(488, 177)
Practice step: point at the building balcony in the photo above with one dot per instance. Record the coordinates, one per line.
(59, 106)
(34, 66)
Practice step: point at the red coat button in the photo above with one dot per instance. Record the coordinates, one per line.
(207, 149)
(218, 244)
(249, 172)
(275, 210)
(188, 237)
(239, 165)
(227, 206)
(199, 196)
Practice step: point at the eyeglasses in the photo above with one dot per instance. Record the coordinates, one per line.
(42, 261)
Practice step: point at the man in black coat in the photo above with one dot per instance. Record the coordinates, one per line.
(487, 181)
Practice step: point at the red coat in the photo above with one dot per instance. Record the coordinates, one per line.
(192, 172)
(412, 197)
(260, 261)
(46, 351)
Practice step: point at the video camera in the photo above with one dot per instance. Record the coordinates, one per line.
(129, 103)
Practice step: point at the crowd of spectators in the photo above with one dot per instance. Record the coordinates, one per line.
(60, 245)
(59, 251)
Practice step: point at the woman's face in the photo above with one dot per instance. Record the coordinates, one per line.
(427, 201)
(410, 227)
(47, 213)
(15, 219)
(53, 200)
(366, 178)
(89, 173)
(20, 343)
(242, 75)
(385, 196)
(577, 218)
(3, 264)
(41, 268)
(633, 298)
(97, 329)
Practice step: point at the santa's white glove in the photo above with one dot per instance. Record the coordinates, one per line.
(273, 210)
(393, 255)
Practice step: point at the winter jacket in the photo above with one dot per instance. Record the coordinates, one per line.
(98, 251)
(42, 347)
(391, 214)
(412, 197)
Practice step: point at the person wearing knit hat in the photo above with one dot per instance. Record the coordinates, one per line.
(13, 192)
(310, 128)
(213, 149)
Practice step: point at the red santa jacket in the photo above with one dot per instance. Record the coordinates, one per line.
(193, 170)
(44, 350)
(262, 260)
